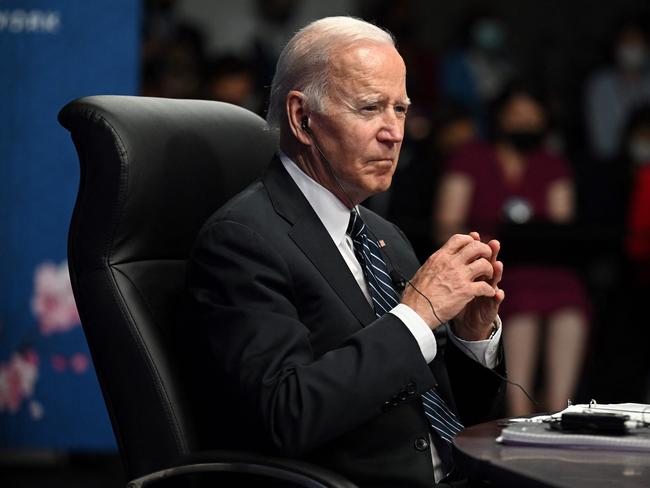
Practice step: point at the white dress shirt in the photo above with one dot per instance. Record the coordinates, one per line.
(335, 217)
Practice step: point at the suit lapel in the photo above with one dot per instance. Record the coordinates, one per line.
(311, 237)
(317, 244)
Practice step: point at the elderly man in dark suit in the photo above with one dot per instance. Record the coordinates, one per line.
(334, 344)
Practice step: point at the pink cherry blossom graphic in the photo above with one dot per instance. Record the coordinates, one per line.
(53, 303)
(59, 362)
(18, 377)
(79, 362)
(36, 410)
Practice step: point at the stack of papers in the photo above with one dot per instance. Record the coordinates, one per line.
(536, 434)
(535, 431)
(639, 412)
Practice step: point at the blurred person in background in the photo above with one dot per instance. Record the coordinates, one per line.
(637, 146)
(409, 200)
(402, 18)
(173, 56)
(478, 69)
(514, 178)
(231, 79)
(613, 93)
(159, 27)
(274, 26)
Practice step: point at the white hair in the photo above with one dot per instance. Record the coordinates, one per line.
(304, 62)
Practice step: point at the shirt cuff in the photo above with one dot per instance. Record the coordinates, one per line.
(485, 352)
(420, 330)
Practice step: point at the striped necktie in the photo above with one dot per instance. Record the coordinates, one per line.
(444, 423)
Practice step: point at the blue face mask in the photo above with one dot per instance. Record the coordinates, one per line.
(488, 35)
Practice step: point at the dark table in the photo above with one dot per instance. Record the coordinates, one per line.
(481, 457)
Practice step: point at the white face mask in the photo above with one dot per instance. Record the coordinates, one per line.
(639, 151)
(631, 57)
(489, 35)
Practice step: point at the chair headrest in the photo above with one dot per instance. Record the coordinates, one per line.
(157, 168)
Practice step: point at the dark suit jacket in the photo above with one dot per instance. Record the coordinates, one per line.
(304, 367)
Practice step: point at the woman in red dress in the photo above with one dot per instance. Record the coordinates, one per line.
(515, 178)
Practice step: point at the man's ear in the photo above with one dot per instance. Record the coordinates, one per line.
(296, 112)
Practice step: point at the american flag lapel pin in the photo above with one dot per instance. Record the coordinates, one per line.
(382, 243)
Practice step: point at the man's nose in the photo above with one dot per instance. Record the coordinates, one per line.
(392, 128)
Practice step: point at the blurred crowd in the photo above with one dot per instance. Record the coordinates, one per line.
(489, 147)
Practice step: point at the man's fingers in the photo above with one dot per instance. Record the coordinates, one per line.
(482, 289)
(498, 273)
(473, 251)
(457, 242)
(499, 295)
(496, 247)
(481, 268)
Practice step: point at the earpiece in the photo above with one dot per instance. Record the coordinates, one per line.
(304, 124)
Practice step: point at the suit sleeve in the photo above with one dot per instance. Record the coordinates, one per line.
(242, 295)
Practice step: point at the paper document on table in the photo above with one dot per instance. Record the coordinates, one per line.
(636, 411)
(536, 431)
(539, 434)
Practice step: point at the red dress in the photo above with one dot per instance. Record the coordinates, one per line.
(637, 242)
(529, 288)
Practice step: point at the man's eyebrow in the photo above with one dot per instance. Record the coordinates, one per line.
(369, 99)
(382, 99)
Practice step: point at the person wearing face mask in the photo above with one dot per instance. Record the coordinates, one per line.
(613, 93)
(514, 178)
(477, 70)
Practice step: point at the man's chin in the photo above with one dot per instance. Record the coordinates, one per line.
(380, 185)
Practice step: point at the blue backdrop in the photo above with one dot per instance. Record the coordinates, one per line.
(50, 53)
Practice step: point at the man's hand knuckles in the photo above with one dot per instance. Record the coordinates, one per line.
(459, 239)
(481, 288)
(481, 267)
(474, 251)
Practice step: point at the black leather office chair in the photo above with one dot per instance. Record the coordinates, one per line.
(152, 170)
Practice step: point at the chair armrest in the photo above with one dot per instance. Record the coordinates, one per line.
(299, 473)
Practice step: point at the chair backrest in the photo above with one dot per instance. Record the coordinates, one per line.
(152, 171)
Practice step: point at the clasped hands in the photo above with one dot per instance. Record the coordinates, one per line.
(461, 282)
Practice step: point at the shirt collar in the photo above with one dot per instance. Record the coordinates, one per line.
(330, 210)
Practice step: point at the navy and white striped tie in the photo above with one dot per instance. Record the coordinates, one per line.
(443, 421)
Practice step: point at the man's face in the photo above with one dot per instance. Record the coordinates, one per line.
(362, 124)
